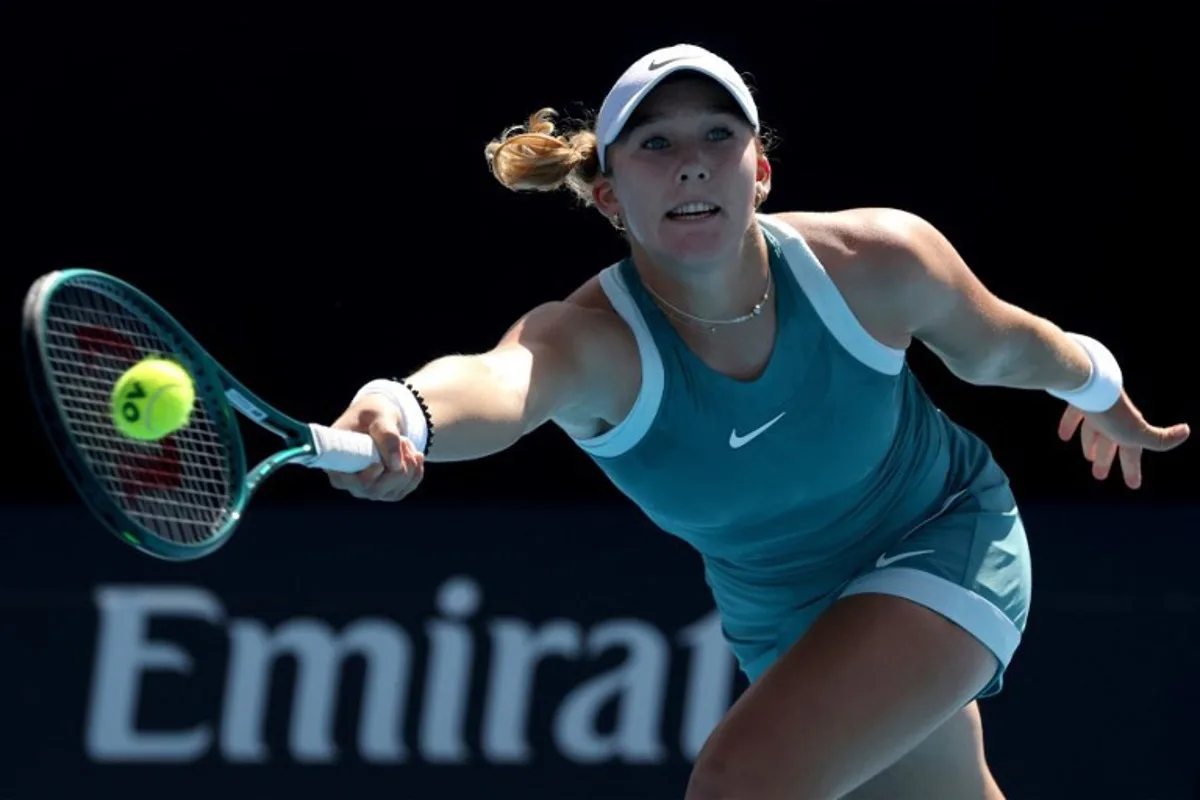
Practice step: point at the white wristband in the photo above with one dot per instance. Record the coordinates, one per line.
(415, 428)
(1103, 387)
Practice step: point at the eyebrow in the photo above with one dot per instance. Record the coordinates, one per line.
(639, 120)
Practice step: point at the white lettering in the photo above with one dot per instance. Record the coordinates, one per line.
(638, 685)
(448, 678)
(319, 654)
(637, 688)
(123, 653)
(516, 650)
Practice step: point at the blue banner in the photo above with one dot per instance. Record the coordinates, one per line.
(571, 653)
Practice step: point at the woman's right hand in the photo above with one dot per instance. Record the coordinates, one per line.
(403, 465)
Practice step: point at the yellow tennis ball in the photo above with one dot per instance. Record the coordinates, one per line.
(153, 399)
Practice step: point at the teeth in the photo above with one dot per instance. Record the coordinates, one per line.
(693, 208)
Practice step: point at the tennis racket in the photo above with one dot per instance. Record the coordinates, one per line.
(181, 497)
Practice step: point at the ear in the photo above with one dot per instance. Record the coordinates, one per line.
(605, 198)
(762, 177)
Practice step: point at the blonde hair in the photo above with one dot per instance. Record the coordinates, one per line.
(534, 158)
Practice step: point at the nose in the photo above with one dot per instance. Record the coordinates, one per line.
(692, 170)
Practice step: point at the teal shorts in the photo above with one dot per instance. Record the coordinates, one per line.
(970, 564)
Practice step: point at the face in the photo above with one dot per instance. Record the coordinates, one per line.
(684, 174)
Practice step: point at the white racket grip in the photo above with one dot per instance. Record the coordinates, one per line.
(342, 451)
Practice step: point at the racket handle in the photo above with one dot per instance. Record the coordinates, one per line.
(342, 451)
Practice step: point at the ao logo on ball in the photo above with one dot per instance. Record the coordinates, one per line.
(153, 399)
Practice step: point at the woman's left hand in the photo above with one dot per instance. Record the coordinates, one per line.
(1121, 432)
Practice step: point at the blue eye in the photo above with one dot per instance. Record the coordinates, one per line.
(718, 134)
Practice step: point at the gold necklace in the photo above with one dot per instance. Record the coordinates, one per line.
(713, 324)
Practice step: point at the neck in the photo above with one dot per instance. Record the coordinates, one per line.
(726, 287)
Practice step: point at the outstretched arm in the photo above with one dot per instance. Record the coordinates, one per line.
(935, 298)
(982, 339)
(481, 404)
(463, 407)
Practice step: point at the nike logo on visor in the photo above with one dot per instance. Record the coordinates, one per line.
(660, 64)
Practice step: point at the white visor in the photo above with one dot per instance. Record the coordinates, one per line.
(641, 78)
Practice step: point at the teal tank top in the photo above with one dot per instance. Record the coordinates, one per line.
(831, 455)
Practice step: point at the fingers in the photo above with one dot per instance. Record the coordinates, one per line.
(1089, 439)
(1164, 439)
(400, 474)
(384, 430)
(1157, 439)
(1069, 422)
(402, 477)
(1099, 436)
(357, 484)
(1131, 466)
(402, 467)
(1105, 452)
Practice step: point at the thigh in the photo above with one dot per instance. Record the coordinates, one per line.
(949, 765)
(873, 677)
(972, 566)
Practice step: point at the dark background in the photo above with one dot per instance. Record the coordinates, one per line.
(306, 191)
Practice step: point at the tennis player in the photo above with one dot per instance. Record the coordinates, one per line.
(741, 377)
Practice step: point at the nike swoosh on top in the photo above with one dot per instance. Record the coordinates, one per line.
(736, 441)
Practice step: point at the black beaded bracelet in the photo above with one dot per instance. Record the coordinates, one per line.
(424, 410)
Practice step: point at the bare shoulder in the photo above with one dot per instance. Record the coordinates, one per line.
(584, 322)
(859, 237)
(869, 255)
(594, 348)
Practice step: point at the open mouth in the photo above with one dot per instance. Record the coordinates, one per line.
(693, 211)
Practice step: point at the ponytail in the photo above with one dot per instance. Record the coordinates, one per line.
(531, 157)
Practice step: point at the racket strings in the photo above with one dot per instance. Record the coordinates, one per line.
(179, 488)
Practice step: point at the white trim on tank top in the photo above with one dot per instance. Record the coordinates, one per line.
(624, 435)
(829, 304)
(816, 284)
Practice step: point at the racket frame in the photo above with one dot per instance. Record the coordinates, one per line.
(215, 386)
